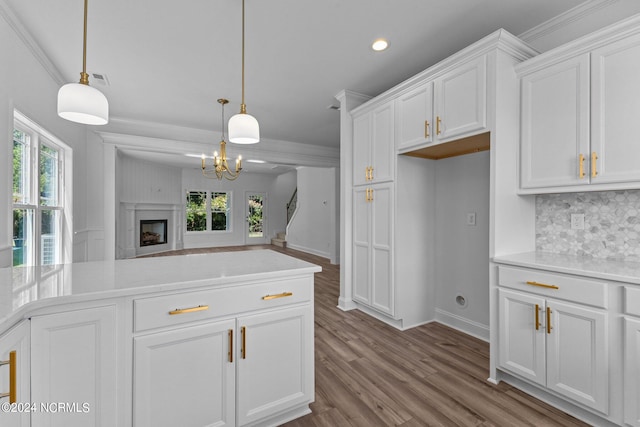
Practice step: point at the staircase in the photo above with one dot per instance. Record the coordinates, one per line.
(280, 240)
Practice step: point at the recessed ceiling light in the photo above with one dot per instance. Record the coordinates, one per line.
(255, 161)
(379, 45)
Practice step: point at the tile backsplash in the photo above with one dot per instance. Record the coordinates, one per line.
(611, 224)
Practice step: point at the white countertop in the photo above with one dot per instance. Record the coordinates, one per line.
(23, 289)
(619, 271)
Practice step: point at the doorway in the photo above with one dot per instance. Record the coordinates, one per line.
(255, 217)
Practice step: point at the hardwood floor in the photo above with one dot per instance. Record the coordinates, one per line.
(370, 374)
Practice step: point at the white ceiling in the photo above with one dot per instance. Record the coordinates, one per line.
(168, 61)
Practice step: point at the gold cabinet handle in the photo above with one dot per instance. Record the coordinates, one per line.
(426, 129)
(189, 310)
(370, 173)
(543, 285)
(594, 169)
(581, 162)
(366, 174)
(13, 377)
(371, 195)
(549, 327)
(230, 346)
(243, 350)
(282, 295)
(438, 121)
(537, 317)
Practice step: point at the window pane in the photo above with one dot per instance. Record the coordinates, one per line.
(49, 237)
(48, 176)
(255, 215)
(219, 211)
(20, 167)
(196, 211)
(23, 237)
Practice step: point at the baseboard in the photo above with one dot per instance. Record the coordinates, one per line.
(308, 250)
(346, 304)
(463, 324)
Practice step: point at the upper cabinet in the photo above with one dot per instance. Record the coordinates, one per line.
(373, 157)
(579, 110)
(451, 106)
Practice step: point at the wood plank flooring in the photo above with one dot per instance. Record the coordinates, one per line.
(370, 374)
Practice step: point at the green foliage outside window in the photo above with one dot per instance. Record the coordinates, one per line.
(196, 211)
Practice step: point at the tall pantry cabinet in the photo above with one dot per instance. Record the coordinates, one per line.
(388, 213)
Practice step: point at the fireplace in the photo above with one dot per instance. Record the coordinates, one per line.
(153, 232)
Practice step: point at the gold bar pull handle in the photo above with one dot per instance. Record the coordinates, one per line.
(581, 162)
(594, 168)
(426, 129)
(243, 350)
(366, 174)
(537, 317)
(438, 121)
(13, 377)
(366, 197)
(371, 195)
(549, 327)
(189, 310)
(282, 295)
(542, 285)
(370, 173)
(230, 345)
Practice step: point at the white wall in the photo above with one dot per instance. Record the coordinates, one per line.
(462, 251)
(26, 86)
(313, 228)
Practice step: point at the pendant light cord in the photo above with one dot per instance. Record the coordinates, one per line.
(243, 107)
(84, 77)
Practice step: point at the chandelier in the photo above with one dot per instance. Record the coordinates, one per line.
(220, 168)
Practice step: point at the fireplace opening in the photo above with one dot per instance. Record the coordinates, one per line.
(153, 232)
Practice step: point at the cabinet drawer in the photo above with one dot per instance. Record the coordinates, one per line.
(153, 312)
(632, 300)
(570, 288)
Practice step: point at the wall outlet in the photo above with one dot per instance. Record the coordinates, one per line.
(471, 218)
(577, 221)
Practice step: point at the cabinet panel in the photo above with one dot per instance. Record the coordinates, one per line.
(461, 100)
(522, 342)
(17, 339)
(414, 111)
(555, 125)
(361, 148)
(73, 359)
(195, 359)
(381, 248)
(632, 372)
(615, 107)
(382, 155)
(361, 243)
(577, 356)
(275, 364)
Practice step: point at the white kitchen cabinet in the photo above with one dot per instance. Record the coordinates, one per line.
(73, 361)
(558, 345)
(16, 341)
(373, 145)
(632, 371)
(275, 362)
(185, 377)
(414, 117)
(373, 247)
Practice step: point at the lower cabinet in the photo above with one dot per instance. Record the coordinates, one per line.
(14, 375)
(632, 372)
(558, 345)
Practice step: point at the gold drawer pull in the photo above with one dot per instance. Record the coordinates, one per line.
(537, 317)
(594, 167)
(12, 395)
(438, 121)
(549, 327)
(230, 345)
(189, 310)
(282, 295)
(543, 285)
(581, 161)
(426, 129)
(243, 350)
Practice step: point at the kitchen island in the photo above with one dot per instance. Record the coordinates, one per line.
(208, 339)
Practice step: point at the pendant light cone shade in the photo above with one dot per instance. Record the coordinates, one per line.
(244, 129)
(81, 103)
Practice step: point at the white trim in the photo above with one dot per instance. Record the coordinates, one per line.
(463, 324)
(308, 250)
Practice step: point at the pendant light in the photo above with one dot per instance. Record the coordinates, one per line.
(79, 102)
(243, 128)
(220, 168)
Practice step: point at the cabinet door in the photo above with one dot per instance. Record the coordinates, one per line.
(522, 340)
(632, 372)
(461, 100)
(414, 124)
(275, 364)
(555, 125)
(361, 244)
(577, 356)
(361, 148)
(615, 108)
(382, 146)
(382, 285)
(17, 339)
(185, 377)
(73, 361)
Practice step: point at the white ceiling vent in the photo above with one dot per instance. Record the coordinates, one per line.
(100, 79)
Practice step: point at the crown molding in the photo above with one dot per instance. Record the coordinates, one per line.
(575, 14)
(16, 25)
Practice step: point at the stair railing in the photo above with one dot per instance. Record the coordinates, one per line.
(291, 206)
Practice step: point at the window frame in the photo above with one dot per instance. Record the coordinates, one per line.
(209, 195)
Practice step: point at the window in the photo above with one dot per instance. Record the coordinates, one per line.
(38, 183)
(208, 211)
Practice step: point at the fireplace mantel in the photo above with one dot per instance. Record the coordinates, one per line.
(131, 213)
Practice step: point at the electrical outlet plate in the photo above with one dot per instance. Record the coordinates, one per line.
(577, 221)
(471, 218)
